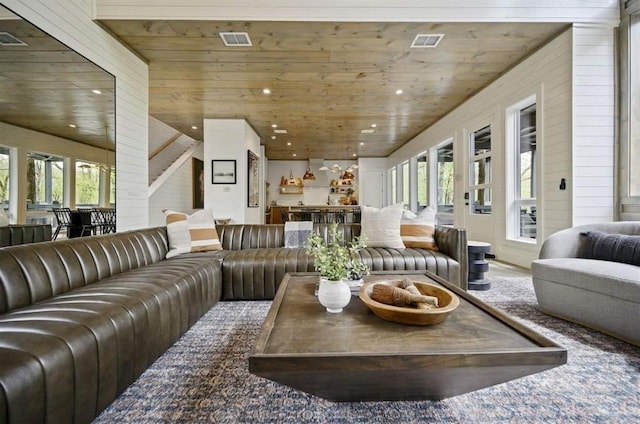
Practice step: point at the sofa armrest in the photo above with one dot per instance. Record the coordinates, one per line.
(567, 243)
(563, 244)
(453, 243)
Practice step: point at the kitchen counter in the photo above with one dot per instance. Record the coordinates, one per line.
(319, 213)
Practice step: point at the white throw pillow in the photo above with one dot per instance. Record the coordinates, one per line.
(191, 233)
(418, 231)
(381, 227)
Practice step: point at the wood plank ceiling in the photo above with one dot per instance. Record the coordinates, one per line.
(46, 86)
(328, 80)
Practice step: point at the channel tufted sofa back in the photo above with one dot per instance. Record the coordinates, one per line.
(36, 272)
(254, 259)
(261, 236)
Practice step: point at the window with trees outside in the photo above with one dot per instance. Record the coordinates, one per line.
(87, 184)
(444, 182)
(394, 186)
(112, 186)
(422, 181)
(5, 177)
(480, 171)
(45, 181)
(521, 136)
(405, 183)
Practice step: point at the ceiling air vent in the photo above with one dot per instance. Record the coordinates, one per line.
(426, 40)
(236, 39)
(367, 131)
(7, 39)
(280, 131)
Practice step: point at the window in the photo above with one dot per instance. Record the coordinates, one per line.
(393, 182)
(480, 171)
(521, 137)
(87, 184)
(422, 181)
(628, 164)
(443, 180)
(45, 175)
(112, 187)
(5, 177)
(405, 184)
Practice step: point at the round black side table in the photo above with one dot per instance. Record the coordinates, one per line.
(478, 265)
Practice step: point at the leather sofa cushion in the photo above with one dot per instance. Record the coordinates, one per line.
(85, 346)
(33, 273)
(257, 273)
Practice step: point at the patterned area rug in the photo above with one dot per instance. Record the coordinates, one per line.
(204, 378)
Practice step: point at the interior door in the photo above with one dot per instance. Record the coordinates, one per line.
(372, 188)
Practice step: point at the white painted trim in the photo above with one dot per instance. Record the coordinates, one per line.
(587, 11)
(175, 166)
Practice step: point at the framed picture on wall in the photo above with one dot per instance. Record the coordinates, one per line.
(253, 192)
(197, 183)
(223, 171)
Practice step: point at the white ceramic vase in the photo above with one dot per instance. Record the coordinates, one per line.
(333, 295)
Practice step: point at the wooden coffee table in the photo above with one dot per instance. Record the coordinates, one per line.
(356, 356)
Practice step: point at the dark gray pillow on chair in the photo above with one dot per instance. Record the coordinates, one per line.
(612, 247)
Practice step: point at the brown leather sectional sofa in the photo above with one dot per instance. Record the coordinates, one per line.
(81, 319)
(13, 235)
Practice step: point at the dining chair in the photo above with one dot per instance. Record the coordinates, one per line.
(63, 216)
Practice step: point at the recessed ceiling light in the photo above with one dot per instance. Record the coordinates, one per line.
(193, 127)
(288, 143)
(266, 91)
(294, 155)
(362, 143)
(72, 125)
(374, 125)
(274, 125)
(96, 91)
(273, 137)
(354, 155)
(399, 91)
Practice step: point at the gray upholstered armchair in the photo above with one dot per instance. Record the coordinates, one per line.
(600, 294)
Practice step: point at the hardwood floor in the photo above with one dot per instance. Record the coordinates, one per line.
(502, 269)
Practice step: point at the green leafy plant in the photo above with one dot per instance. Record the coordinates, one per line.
(335, 259)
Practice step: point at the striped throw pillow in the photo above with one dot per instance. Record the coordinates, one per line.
(418, 230)
(191, 233)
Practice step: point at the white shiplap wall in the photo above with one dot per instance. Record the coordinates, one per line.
(593, 124)
(71, 22)
(574, 78)
(175, 194)
(546, 73)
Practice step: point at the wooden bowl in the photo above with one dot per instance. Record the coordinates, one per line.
(447, 302)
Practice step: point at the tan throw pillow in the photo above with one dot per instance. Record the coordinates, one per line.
(381, 227)
(191, 233)
(418, 230)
